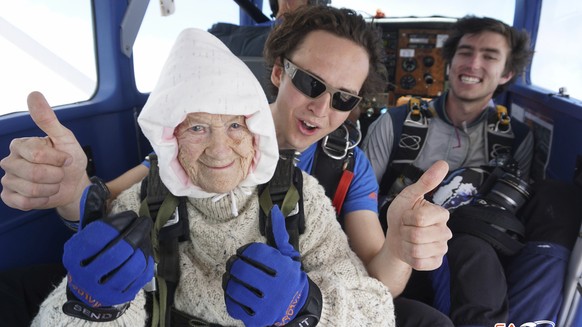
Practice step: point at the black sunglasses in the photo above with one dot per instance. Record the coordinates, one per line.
(313, 87)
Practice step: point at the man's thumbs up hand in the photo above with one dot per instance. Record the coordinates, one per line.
(417, 229)
(44, 172)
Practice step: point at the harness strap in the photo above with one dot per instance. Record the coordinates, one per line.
(414, 131)
(165, 257)
(500, 135)
(410, 130)
(169, 215)
(410, 136)
(342, 190)
(285, 190)
(288, 205)
(498, 227)
(333, 164)
(182, 319)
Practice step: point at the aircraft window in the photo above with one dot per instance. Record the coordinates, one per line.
(46, 46)
(500, 9)
(556, 62)
(158, 33)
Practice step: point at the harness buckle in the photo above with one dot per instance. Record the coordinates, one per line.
(418, 112)
(174, 219)
(503, 120)
(413, 120)
(500, 127)
(338, 143)
(151, 285)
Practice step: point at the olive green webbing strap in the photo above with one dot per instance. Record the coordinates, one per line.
(166, 210)
(289, 202)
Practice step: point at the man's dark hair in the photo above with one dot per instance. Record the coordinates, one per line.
(520, 53)
(275, 5)
(294, 27)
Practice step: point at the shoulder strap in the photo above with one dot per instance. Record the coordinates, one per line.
(170, 218)
(333, 164)
(499, 133)
(410, 126)
(153, 193)
(504, 135)
(286, 190)
(520, 131)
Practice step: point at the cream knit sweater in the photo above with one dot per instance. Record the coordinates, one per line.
(350, 297)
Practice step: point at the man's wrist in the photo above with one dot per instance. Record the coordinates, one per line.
(69, 213)
(390, 269)
(146, 160)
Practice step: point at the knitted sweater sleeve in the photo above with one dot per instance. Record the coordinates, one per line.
(51, 313)
(350, 296)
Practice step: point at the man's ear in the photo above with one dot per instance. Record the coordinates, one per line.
(277, 73)
(505, 78)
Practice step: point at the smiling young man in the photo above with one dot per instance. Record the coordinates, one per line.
(322, 61)
(489, 283)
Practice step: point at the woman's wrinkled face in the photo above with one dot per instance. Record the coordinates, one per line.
(216, 151)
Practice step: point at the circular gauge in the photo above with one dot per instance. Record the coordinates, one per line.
(409, 64)
(407, 82)
(428, 79)
(428, 61)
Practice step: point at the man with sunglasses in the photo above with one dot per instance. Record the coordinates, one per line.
(320, 70)
(313, 87)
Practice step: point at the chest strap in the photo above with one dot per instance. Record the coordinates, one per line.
(410, 137)
(333, 163)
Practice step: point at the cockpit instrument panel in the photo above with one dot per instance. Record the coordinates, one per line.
(413, 55)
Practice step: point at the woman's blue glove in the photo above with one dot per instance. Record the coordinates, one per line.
(109, 259)
(266, 286)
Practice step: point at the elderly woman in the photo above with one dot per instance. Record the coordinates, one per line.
(209, 123)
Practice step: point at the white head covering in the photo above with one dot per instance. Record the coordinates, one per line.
(202, 75)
